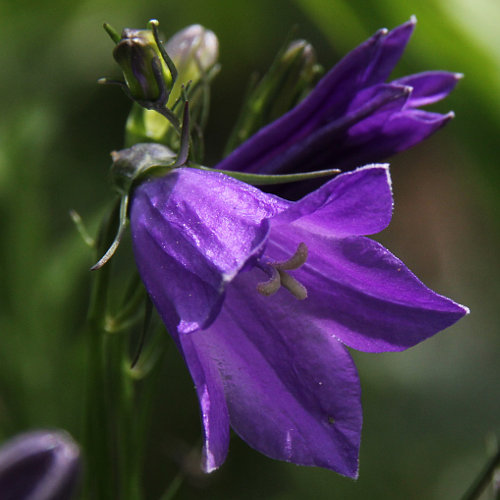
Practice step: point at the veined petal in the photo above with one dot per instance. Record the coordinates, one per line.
(359, 292)
(292, 394)
(354, 203)
(192, 232)
(429, 86)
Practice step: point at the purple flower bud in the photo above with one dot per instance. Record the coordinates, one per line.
(39, 465)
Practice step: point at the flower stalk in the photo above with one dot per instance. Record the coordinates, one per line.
(110, 431)
(484, 479)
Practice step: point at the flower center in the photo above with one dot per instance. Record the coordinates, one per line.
(278, 276)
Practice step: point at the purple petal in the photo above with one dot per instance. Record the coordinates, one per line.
(374, 139)
(379, 139)
(354, 203)
(429, 87)
(192, 232)
(292, 393)
(321, 146)
(213, 408)
(41, 465)
(358, 292)
(390, 51)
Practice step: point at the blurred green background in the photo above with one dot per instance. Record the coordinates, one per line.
(431, 413)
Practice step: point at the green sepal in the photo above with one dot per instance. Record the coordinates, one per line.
(113, 34)
(266, 180)
(122, 225)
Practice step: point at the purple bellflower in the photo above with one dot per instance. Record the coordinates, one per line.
(262, 296)
(39, 465)
(352, 117)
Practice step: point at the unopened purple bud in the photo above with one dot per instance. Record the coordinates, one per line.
(39, 465)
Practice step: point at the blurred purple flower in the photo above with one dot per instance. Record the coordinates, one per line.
(262, 295)
(39, 465)
(352, 117)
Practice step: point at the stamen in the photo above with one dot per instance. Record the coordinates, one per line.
(298, 290)
(272, 285)
(295, 261)
(279, 277)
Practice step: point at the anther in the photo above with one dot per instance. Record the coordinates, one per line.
(272, 285)
(297, 289)
(279, 277)
(295, 261)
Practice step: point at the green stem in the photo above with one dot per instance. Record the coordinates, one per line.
(113, 467)
(173, 487)
(99, 484)
(120, 396)
(484, 478)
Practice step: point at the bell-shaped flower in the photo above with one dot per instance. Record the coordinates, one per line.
(39, 465)
(262, 296)
(352, 117)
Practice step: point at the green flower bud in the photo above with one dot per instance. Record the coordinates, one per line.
(146, 73)
(194, 52)
(297, 73)
(289, 79)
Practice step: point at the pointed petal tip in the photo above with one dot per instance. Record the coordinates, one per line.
(350, 470)
(353, 470)
(413, 19)
(374, 166)
(210, 462)
(355, 475)
(383, 167)
(458, 76)
(407, 90)
(208, 467)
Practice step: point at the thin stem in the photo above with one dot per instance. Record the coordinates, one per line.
(173, 487)
(484, 478)
(113, 467)
(99, 483)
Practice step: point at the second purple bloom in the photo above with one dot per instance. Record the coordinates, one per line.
(352, 117)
